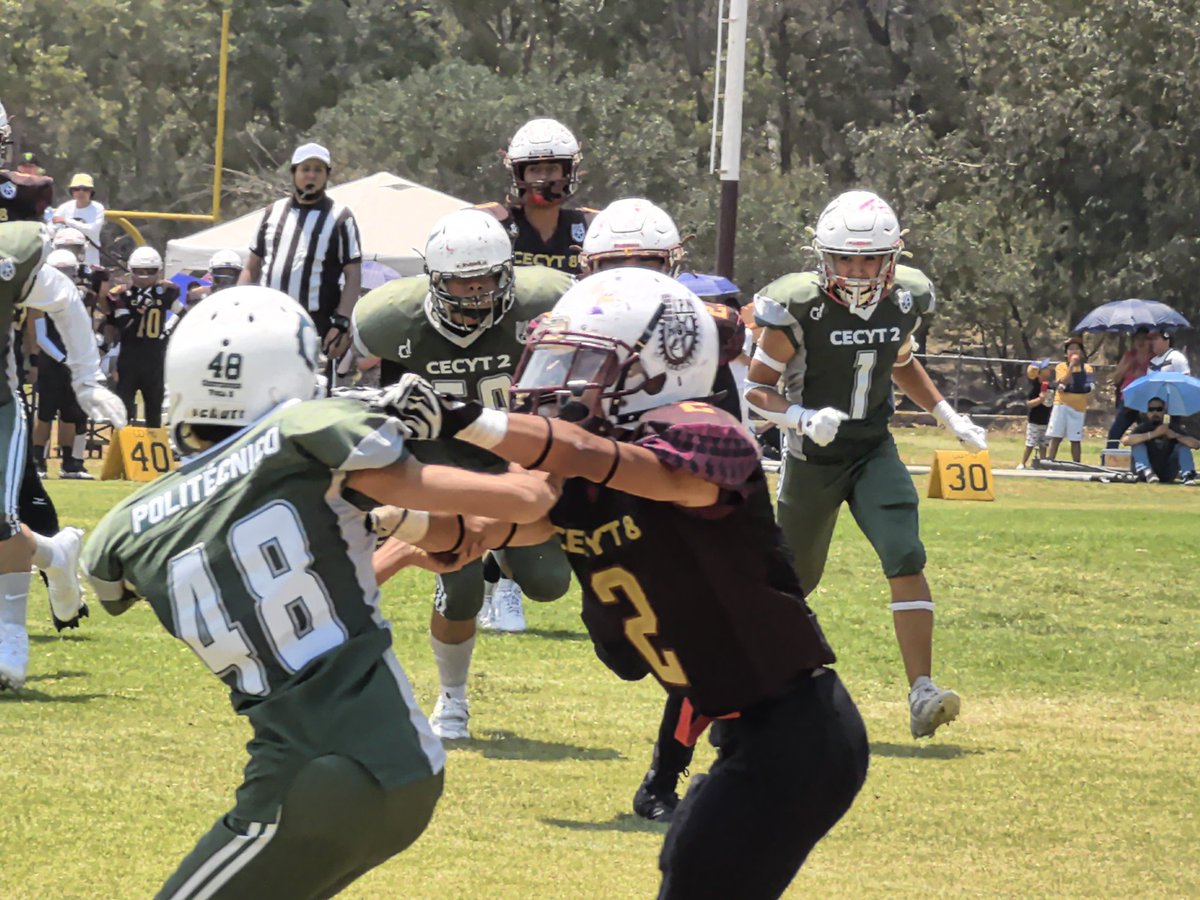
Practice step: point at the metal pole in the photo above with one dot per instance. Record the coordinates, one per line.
(716, 112)
(731, 135)
(221, 89)
(958, 375)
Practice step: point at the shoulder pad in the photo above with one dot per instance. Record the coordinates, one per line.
(701, 440)
(384, 317)
(538, 288)
(496, 209)
(777, 304)
(919, 287)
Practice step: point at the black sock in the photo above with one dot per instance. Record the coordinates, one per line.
(39, 455)
(491, 568)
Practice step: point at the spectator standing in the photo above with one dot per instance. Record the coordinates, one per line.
(1076, 380)
(1164, 357)
(84, 213)
(1040, 401)
(138, 311)
(1132, 365)
(308, 246)
(1162, 451)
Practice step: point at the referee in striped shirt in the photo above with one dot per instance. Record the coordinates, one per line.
(308, 247)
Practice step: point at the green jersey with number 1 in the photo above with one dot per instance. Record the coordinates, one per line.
(396, 322)
(250, 555)
(842, 360)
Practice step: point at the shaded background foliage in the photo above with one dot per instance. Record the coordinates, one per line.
(1041, 155)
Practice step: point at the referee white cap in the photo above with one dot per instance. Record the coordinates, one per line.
(311, 151)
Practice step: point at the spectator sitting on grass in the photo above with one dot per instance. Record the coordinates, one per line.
(1161, 451)
(1039, 400)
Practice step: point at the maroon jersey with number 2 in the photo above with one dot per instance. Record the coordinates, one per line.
(706, 600)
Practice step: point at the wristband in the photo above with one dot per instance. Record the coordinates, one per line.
(512, 532)
(340, 322)
(487, 430)
(943, 411)
(462, 533)
(545, 448)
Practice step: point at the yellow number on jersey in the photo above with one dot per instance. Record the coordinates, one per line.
(611, 585)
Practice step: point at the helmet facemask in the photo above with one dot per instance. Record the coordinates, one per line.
(582, 377)
(224, 276)
(475, 312)
(547, 192)
(860, 295)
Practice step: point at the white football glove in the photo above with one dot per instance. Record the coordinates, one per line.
(821, 425)
(970, 435)
(101, 404)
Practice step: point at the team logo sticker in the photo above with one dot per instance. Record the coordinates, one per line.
(816, 312)
(679, 335)
(578, 231)
(8, 270)
(904, 299)
(8, 190)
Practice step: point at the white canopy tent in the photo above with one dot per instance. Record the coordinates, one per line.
(394, 215)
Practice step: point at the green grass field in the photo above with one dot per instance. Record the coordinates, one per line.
(1067, 619)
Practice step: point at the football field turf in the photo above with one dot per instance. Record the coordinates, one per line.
(1067, 618)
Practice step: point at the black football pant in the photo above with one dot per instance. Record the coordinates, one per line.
(786, 771)
(143, 372)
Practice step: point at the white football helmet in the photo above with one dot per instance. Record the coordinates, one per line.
(145, 266)
(858, 223)
(236, 357)
(63, 260)
(633, 229)
(543, 140)
(467, 244)
(225, 266)
(71, 239)
(616, 344)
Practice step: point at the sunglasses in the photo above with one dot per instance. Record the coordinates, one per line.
(1154, 409)
(77, 190)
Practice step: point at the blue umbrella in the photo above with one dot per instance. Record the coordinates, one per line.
(1181, 392)
(707, 285)
(1130, 315)
(376, 274)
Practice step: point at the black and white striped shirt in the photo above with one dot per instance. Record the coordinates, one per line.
(304, 249)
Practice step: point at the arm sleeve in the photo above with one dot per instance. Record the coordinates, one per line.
(45, 345)
(719, 451)
(57, 296)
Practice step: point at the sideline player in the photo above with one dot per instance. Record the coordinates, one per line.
(543, 162)
(25, 281)
(837, 339)
(462, 326)
(256, 554)
(684, 575)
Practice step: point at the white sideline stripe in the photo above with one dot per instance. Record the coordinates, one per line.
(259, 832)
(16, 463)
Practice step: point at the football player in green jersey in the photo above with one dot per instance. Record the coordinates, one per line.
(26, 283)
(462, 327)
(834, 342)
(257, 554)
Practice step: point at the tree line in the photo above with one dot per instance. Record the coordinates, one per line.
(1041, 156)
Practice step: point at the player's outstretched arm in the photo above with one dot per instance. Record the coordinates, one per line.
(549, 445)
(910, 376)
(508, 497)
(772, 353)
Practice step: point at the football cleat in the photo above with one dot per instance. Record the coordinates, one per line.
(449, 719)
(14, 656)
(508, 613)
(74, 470)
(930, 707)
(62, 580)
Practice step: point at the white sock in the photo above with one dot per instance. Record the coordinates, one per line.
(453, 664)
(14, 597)
(79, 449)
(45, 552)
